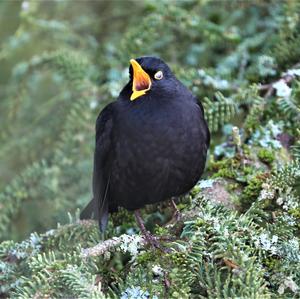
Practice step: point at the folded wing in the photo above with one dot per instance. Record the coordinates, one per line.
(98, 206)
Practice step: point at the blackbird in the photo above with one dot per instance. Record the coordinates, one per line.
(151, 144)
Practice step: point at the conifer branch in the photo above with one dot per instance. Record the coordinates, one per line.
(286, 78)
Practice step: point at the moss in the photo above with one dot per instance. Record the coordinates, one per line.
(296, 214)
(216, 165)
(266, 155)
(233, 186)
(195, 191)
(161, 230)
(251, 191)
(224, 173)
(146, 256)
(246, 149)
(225, 168)
(249, 170)
(178, 258)
(272, 263)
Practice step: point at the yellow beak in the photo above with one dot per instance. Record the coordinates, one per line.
(141, 80)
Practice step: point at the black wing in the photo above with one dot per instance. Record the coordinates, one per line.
(98, 206)
(205, 122)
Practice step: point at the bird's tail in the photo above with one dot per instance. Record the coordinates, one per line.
(92, 211)
(89, 211)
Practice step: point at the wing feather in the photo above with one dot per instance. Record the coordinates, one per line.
(98, 207)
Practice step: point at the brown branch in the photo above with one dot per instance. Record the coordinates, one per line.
(113, 243)
(286, 78)
(125, 243)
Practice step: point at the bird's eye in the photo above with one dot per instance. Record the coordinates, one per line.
(158, 75)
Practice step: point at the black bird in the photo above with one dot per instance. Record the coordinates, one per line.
(151, 144)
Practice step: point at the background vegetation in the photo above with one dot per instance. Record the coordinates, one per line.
(61, 62)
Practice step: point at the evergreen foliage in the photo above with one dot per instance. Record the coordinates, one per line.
(62, 62)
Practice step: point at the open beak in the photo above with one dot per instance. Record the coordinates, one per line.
(141, 80)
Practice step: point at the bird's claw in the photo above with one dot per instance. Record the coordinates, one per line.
(151, 240)
(154, 242)
(177, 215)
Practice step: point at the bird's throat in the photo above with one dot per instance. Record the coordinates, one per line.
(141, 81)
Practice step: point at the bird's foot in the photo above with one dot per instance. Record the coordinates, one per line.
(150, 239)
(154, 243)
(177, 215)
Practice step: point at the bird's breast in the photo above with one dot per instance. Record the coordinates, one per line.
(161, 131)
(158, 152)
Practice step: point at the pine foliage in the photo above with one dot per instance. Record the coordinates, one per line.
(62, 62)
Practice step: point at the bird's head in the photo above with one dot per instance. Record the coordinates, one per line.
(149, 74)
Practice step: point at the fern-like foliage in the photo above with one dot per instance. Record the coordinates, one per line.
(290, 106)
(219, 111)
(238, 236)
(296, 146)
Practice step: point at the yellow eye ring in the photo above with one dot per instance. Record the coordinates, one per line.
(159, 75)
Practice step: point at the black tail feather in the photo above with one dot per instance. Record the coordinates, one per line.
(91, 211)
(103, 219)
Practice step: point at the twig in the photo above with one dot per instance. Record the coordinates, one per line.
(286, 78)
(237, 142)
(124, 241)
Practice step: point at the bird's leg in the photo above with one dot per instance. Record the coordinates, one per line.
(177, 214)
(150, 238)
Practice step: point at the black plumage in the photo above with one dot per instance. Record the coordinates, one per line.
(151, 144)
